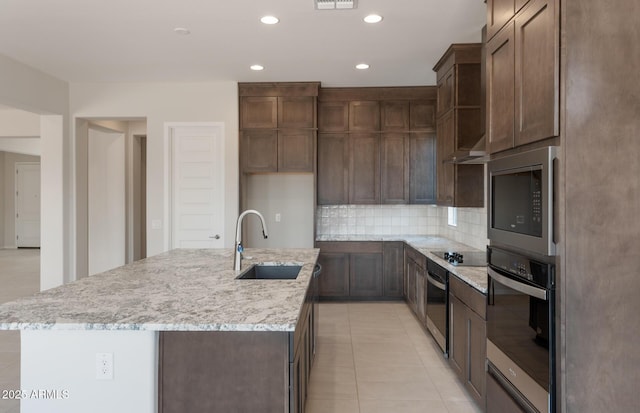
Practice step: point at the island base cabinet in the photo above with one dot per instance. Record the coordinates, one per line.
(224, 371)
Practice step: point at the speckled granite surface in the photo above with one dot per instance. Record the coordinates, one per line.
(474, 276)
(193, 290)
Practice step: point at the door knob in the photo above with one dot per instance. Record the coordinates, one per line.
(214, 236)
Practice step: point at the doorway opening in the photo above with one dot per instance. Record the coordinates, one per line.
(111, 187)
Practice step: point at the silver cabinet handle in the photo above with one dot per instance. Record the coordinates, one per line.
(214, 236)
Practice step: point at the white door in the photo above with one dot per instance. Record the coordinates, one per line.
(197, 186)
(27, 204)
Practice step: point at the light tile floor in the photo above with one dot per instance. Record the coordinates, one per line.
(19, 277)
(375, 357)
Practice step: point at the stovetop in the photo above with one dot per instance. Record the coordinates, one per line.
(463, 258)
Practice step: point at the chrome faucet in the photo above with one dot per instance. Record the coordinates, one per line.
(237, 258)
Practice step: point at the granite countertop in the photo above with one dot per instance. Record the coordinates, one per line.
(474, 276)
(179, 290)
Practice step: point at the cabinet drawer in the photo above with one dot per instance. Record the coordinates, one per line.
(417, 257)
(473, 298)
(350, 246)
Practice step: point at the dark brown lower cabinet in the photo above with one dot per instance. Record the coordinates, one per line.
(415, 273)
(361, 270)
(468, 336)
(237, 371)
(392, 269)
(222, 371)
(365, 274)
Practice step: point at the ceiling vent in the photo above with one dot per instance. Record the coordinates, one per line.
(335, 4)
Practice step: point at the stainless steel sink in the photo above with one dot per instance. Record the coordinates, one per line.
(270, 272)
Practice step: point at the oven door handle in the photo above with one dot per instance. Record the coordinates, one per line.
(436, 282)
(523, 288)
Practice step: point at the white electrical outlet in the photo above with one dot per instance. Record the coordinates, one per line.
(104, 366)
(278, 217)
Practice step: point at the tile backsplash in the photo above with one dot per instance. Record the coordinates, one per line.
(403, 219)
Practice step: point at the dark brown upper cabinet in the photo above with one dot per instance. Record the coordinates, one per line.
(394, 168)
(522, 70)
(259, 150)
(278, 127)
(364, 116)
(422, 171)
(296, 112)
(395, 116)
(459, 125)
(537, 73)
(333, 168)
(333, 116)
(422, 116)
(258, 112)
(500, 90)
(364, 169)
(387, 134)
(499, 12)
(295, 150)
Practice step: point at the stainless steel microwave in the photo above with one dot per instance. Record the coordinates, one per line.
(521, 192)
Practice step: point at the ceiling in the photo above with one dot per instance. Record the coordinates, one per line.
(134, 40)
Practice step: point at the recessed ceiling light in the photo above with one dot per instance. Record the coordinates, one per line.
(257, 67)
(373, 18)
(269, 20)
(362, 66)
(182, 30)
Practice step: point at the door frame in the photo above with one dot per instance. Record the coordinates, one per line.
(169, 131)
(15, 201)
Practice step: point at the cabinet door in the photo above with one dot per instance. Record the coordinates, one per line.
(499, 12)
(364, 169)
(446, 90)
(333, 169)
(392, 269)
(364, 116)
(422, 168)
(296, 112)
(457, 336)
(422, 116)
(334, 280)
(296, 388)
(477, 356)
(421, 296)
(365, 275)
(500, 90)
(536, 73)
(411, 284)
(445, 171)
(333, 116)
(395, 115)
(259, 150)
(258, 112)
(394, 168)
(295, 150)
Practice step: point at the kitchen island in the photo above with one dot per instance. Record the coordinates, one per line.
(182, 333)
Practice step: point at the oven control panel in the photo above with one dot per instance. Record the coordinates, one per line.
(522, 267)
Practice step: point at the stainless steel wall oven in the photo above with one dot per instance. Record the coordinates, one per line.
(521, 329)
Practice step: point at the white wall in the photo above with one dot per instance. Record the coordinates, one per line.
(16, 122)
(160, 103)
(291, 196)
(2, 234)
(8, 195)
(106, 200)
(26, 146)
(66, 360)
(26, 88)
